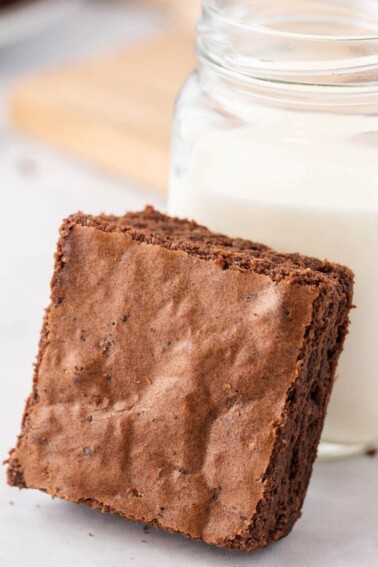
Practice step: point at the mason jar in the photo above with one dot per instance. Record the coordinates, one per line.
(275, 139)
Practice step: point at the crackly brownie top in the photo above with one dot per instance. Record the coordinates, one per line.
(175, 233)
(162, 377)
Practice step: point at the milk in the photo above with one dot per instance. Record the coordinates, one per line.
(279, 180)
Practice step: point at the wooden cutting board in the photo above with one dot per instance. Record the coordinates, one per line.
(115, 110)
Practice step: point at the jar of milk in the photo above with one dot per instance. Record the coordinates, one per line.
(276, 140)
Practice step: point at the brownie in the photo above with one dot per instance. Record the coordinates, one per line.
(182, 378)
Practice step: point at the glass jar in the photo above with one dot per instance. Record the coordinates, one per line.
(275, 139)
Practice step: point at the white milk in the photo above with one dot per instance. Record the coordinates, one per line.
(301, 192)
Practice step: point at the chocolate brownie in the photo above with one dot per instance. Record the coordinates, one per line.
(182, 378)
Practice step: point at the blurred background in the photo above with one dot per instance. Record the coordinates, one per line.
(98, 78)
(87, 89)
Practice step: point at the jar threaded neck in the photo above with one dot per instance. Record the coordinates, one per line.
(300, 42)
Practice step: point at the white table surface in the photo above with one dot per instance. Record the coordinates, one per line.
(38, 187)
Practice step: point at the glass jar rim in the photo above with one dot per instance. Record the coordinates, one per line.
(212, 7)
(279, 41)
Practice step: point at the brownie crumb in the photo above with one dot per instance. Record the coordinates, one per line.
(372, 453)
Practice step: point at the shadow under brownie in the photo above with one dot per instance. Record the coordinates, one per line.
(182, 378)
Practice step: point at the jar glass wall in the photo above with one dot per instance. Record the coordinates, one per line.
(275, 139)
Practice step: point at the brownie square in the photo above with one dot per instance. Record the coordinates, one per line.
(182, 378)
